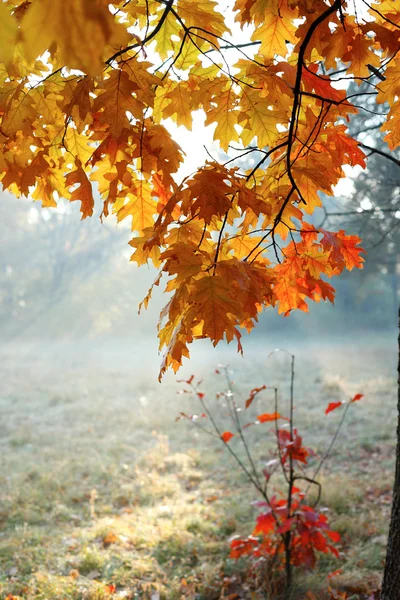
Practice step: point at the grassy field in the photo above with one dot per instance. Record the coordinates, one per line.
(104, 495)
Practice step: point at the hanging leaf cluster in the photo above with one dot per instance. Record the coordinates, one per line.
(87, 87)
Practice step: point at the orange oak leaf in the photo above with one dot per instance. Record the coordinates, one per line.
(343, 248)
(267, 417)
(83, 192)
(253, 393)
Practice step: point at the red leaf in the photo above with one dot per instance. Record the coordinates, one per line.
(291, 446)
(265, 523)
(253, 394)
(333, 573)
(333, 535)
(226, 436)
(266, 417)
(357, 397)
(318, 541)
(240, 546)
(200, 395)
(332, 406)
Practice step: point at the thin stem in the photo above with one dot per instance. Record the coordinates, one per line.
(219, 432)
(288, 535)
(240, 429)
(328, 451)
(277, 436)
(219, 241)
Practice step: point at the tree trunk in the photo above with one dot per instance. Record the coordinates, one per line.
(391, 577)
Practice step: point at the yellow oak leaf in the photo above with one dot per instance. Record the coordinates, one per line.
(193, 232)
(116, 100)
(78, 145)
(388, 9)
(226, 118)
(242, 246)
(143, 252)
(174, 101)
(274, 33)
(19, 113)
(177, 347)
(106, 176)
(189, 54)
(140, 206)
(82, 31)
(259, 119)
(49, 185)
(138, 12)
(45, 103)
(204, 14)
(8, 34)
(255, 10)
(167, 38)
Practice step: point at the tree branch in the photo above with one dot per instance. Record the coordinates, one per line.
(149, 37)
(386, 155)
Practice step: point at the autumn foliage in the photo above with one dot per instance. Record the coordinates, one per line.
(86, 87)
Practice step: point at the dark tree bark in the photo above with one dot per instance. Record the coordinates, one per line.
(391, 577)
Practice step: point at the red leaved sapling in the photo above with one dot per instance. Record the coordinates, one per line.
(290, 529)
